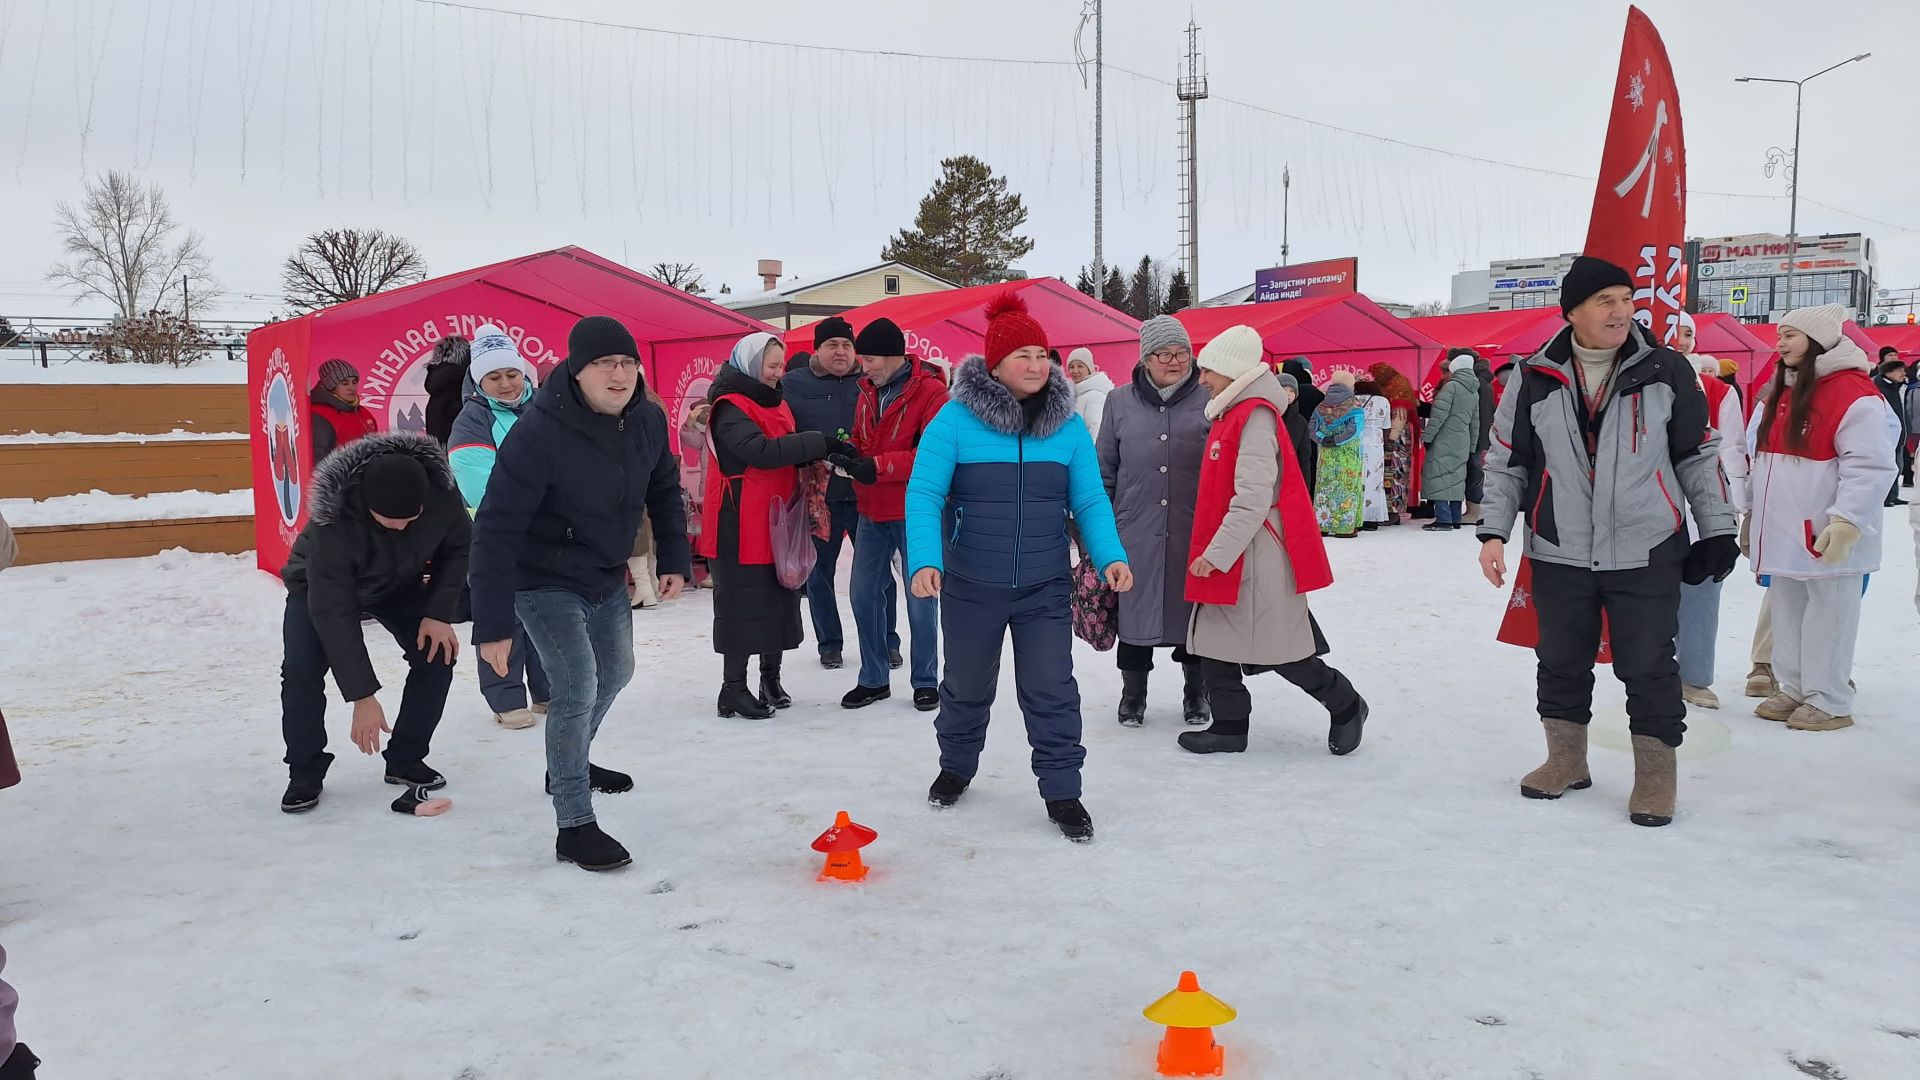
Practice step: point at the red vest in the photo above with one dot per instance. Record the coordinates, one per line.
(347, 424)
(753, 493)
(1300, 530)
(1833, 395)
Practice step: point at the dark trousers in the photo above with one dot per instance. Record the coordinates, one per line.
(303, 691)
(733, 669)
(1140, 657)
(823, 603)
(1232, 703)
(1642, 609)
(974, 621)
(505, 693)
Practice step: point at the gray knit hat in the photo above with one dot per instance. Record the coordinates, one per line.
(1162, 332)
(333, 373)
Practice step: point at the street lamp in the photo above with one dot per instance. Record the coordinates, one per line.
(1793, 186)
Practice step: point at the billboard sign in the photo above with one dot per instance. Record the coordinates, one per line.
(1765, 254)
(1305, 281)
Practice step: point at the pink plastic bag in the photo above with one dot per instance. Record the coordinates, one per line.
(790, 527)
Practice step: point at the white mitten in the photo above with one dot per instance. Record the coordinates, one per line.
(1836, 541)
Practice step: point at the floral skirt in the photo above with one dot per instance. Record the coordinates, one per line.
(1339, 494)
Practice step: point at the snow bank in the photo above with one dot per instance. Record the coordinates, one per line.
(98, 506)
(215, 368)
(1400, 913)
(176, 435)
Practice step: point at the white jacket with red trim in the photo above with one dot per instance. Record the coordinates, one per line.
(1842, 470)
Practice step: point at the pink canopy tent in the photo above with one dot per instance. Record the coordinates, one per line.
(1905, 337)
(1335, 332)
(949, 326)
(389, 337)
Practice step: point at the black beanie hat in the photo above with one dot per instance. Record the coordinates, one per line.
(1588, 276)
(831, 327)
(394, 485)
(881, 338)
(596, 336)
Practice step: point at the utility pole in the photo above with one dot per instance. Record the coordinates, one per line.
(1793, 168)
(1286, 211)
(1190, 89)
(1099, 143)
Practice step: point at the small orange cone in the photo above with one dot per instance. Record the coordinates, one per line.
(1190, 1015)
(842, 844)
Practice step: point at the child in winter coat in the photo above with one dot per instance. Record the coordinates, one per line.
(1822, 465)
(500, 387)
(1001, 563)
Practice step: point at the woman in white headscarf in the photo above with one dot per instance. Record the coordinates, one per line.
(753, 451)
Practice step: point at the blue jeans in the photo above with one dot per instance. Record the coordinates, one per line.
(875, 548)
(587, 649)
(1447, 511)
(1699, 627)
(823, 603)
(505, 693)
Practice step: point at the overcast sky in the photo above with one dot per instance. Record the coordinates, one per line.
(482, 136)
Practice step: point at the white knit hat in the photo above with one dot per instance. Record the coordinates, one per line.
(1233, 352)
(1707, 365)
(1084, 355)
(1822, 324)
(493, 350)
(1686, 320)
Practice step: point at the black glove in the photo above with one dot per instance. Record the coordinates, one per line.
(860, 468)
(841, 447)
(1715, 557)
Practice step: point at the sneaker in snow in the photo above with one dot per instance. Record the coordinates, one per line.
(516, 719)
(419, 774)
(1701, 697)
(1074, 821)
(1779, 708)
(1810, 718)
(301, 797)
(946, 790)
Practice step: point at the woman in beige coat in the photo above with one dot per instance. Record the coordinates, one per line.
(1258, 553)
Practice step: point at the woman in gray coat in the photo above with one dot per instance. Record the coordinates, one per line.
(1449, 434)
(1152, 436)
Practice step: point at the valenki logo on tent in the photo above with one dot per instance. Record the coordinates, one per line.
(280, 423)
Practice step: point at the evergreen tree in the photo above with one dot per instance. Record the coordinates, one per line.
(1179, 296)
(1085, 282)
(965, 230)
(1143, 292)
(1114, 292)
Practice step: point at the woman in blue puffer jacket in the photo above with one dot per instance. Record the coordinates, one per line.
(500, 386)
(998, 471)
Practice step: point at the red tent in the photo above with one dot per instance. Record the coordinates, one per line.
(1496, 335)
(388, 338)
(949, 326)
(1350, 332)
(1727, 338)
(1904, 337)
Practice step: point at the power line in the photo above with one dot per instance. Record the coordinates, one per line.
(1155, 79)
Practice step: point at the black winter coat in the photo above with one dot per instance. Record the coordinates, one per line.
(564, 503)
(347, 564)
(446, 396)
(826, 404)
(1304, 403)
(1483, 438)
(752, 613)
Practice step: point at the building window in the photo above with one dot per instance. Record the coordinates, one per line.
(1525, 300)
(891, 284)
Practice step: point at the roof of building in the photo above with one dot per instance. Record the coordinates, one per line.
(786, 290)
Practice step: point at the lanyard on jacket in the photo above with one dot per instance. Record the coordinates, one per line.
(1593, 408)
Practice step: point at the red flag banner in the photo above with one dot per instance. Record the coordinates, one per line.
(1640, 201)
(1639, 223)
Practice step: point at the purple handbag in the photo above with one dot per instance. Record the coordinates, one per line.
(790, 527)
(1096, 607)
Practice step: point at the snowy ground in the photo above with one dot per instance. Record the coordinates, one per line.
(17, 367)
(97, 506)
(1398, 913)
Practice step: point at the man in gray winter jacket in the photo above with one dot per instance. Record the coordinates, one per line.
(1601, 438)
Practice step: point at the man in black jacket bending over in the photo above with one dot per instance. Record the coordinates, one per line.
(387, 537)
(551, 544)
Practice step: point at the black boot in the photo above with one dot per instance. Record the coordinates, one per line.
(1193, 699)
(301, 796)
(1343, 734)
(772, 694)
(1133, 698)
(1074, 821)
(604, 781)
(20, 1065)
(418, 774)
(1211, 741)
(736, 701)
(588, 848)
(946, 790)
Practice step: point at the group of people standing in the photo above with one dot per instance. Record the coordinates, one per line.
(1197, 494)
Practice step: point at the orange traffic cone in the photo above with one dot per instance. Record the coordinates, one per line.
(1190, 1015)
(842, 844)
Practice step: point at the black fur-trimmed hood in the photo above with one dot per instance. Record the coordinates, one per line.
(336, 481)
(995, 405)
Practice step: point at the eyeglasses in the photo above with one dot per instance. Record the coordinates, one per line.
(611, 363)
(1175, 356)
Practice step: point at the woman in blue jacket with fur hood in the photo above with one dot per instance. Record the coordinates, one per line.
(998, 471)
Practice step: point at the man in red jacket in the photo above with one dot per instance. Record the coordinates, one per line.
(898, 399)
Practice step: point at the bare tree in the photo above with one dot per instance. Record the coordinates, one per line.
(1431, 307)
(336, 265)
(123, 247)
(683, 276)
